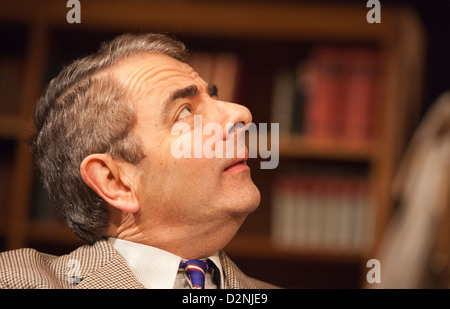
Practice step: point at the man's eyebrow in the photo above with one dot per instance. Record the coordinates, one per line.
(213, 91)
(180, 93)
(186, 92)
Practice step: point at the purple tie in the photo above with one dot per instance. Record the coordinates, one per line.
(196, 270)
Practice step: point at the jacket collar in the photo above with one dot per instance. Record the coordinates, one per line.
(108, 270)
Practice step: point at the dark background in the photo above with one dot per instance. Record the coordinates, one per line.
(435, 16)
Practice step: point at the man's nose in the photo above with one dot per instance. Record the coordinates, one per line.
(236, 117)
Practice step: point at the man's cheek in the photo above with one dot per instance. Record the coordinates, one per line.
(180, 142)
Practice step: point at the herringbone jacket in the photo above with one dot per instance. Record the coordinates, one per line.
(98, 266)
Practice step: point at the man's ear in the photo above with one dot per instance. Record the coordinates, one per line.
(111, 180)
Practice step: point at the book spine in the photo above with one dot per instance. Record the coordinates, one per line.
(282, 100)
(283, 206)
(321, 212)
(300, 88)
(360, 94)
(323, 104)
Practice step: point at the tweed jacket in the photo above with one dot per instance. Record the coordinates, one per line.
(97, 266)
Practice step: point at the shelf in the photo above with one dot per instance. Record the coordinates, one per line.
(212, 18)
(15, 127)
(257, 246)
(9, 126)
(304, 147)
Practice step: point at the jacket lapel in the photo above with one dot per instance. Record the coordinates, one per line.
(234, 277)
(105, 268)
(114, 275)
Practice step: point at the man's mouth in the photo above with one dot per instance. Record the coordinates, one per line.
(238, 164)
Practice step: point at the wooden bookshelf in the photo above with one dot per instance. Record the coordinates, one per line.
(8, 126)
(399, 39)
(298, 146)
(262, 247)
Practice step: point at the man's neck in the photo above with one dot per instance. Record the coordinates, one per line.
(188, 242)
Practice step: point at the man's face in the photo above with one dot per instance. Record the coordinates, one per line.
(179, 192)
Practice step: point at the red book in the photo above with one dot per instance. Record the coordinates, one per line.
(360, 94)
(324, 96)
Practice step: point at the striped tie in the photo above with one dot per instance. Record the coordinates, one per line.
(196, 270)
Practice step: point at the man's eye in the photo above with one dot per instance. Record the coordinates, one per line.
(186, 111)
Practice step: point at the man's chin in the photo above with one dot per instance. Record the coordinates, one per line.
(247, 200)
(254, 204)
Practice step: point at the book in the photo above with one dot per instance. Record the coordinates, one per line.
(282, 217)
(300, 217)
(325, 94)
(282, 100)
(329, 96)
(321, 212)
(360, 94)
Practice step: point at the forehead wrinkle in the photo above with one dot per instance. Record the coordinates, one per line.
(153, 77)
(136, 80)
(143, 68)
(143, 77)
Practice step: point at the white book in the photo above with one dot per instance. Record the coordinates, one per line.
(331, 216)
(276, 215)
(282, 217)
(288, 217)
(301, 215)
(314, 225)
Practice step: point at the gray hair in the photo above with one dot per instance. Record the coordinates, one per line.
(82, 112)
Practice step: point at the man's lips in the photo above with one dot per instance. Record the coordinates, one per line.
(237, 163)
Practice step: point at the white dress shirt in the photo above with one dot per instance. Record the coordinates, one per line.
(158, 269)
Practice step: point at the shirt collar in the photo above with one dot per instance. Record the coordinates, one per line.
(154, 268)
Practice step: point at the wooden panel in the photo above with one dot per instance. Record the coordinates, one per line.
(302, 147)
(212, 18)
(261, 246)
